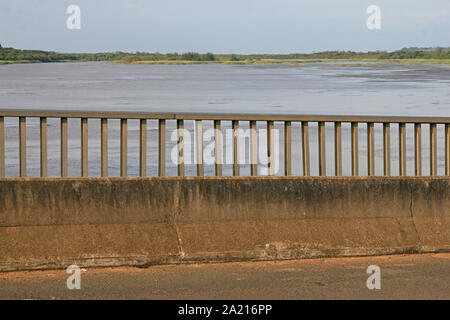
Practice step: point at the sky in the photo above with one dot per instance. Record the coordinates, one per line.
(223, 26)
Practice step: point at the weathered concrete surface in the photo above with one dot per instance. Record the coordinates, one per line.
(52, 223)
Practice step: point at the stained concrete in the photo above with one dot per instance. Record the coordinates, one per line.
(52, 223)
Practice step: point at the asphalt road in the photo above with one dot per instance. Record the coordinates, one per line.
(424, 276)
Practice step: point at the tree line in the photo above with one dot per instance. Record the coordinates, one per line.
(11, 54)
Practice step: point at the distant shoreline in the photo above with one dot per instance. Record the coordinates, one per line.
(349, 58)
(344, 62)
(293, 62)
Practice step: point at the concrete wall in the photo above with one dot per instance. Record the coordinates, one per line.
(52, 223)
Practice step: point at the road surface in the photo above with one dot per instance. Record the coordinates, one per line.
(425, 276)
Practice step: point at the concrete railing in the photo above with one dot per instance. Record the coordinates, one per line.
(250, 121)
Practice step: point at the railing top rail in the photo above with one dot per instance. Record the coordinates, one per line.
(219, 116)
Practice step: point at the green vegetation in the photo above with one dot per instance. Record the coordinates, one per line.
(416, 55)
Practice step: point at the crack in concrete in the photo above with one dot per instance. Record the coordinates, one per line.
(412, 217)
(177, 212)
(179, 243)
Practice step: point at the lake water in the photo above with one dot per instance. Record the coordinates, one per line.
(369, 89)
